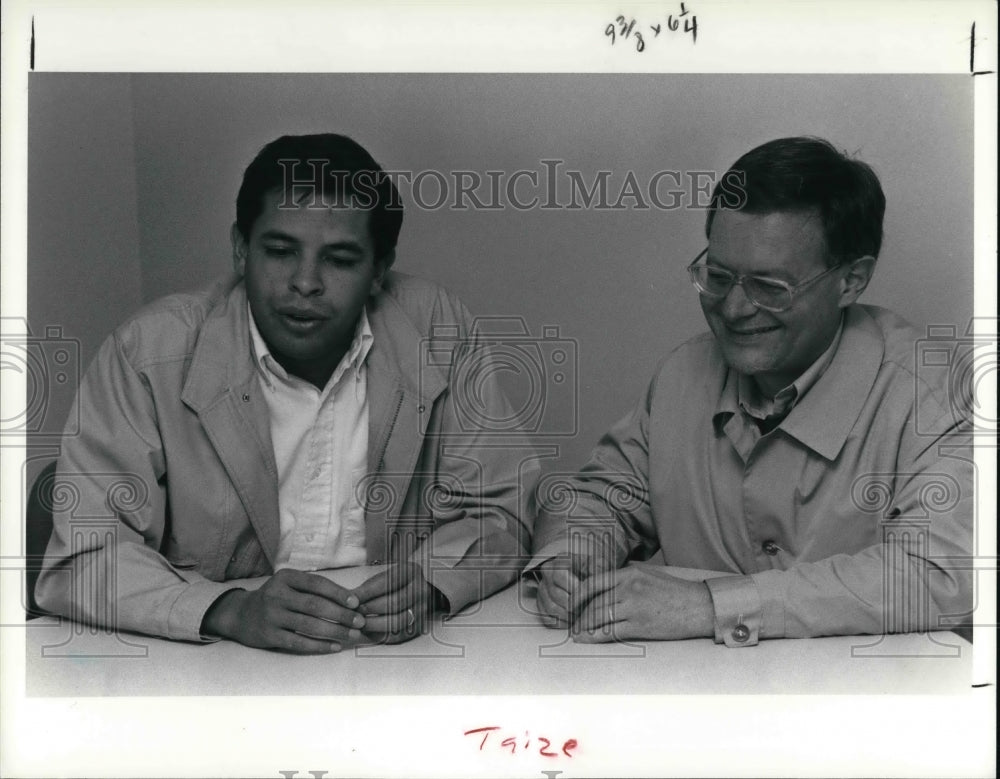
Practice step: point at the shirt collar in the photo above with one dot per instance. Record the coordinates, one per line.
(352, 360)
(823, 418)
(757, 405)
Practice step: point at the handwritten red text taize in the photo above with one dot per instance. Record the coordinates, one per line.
(516, 744)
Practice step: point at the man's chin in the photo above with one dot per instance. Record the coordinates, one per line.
(303, 351)
(749, 362)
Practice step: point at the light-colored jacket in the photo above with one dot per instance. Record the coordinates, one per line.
(170, 487)
(853, 516)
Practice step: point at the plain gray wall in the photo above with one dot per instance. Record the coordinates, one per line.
(133, 181)
(84, 269)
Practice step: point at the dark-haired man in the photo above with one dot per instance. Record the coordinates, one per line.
(779, 455)
(286, 421)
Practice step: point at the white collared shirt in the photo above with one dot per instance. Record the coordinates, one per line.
(320, 444)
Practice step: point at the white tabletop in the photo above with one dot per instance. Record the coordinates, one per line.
(498, 647)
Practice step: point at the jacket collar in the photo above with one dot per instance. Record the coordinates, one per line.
(223, 357)
(825, 415)
(222, 388)
(399, 352)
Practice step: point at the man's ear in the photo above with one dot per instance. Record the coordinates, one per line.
(859, 273)
(240, 249)
(382, 265)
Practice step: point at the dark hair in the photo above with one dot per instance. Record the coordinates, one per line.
(808, 174)
(338, 169)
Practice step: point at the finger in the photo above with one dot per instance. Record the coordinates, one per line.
(603, 622)
(391, 579)
(304, 645)
(590, 553)
(593, 636)
(559, 581)
(413, 594)
(306, 604)
(555, 582)
(552, 613)
(314, 627)
(598, 615)
(552, 617)
(395, 628)
(585, 590)
(319, 585)
(276, 636)
(601, 613)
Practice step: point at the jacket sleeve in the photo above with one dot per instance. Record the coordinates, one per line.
(603, 509)
(481, 496)
(918, 577)
(102, 564)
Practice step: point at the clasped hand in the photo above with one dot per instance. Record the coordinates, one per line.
(600, 603)
(306, 613)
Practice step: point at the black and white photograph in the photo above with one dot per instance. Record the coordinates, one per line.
(432, 417)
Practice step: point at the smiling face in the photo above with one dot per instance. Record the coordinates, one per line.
(774, 347)
(308, 273)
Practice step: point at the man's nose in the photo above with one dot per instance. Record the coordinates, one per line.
(306, 279)
(736, 304)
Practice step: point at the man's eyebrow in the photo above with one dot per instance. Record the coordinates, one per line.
(277, 235)
(779, 274)
(344, 245)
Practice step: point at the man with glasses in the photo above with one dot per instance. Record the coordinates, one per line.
(775, 463)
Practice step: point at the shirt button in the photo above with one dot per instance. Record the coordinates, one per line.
(741, 633)
(770, 547)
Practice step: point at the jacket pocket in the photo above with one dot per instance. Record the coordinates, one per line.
(248, 559)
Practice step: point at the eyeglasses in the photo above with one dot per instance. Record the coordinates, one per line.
(770, 294)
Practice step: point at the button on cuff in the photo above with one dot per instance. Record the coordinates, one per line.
(737, 605)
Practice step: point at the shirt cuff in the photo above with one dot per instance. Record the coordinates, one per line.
(738, 610)
(550, 552)
(462, 577)
(558, 545)
(188, 610)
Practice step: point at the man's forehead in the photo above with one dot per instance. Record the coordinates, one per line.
(298, 202)
(312, 221)
(783, 238)
(804, 225)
